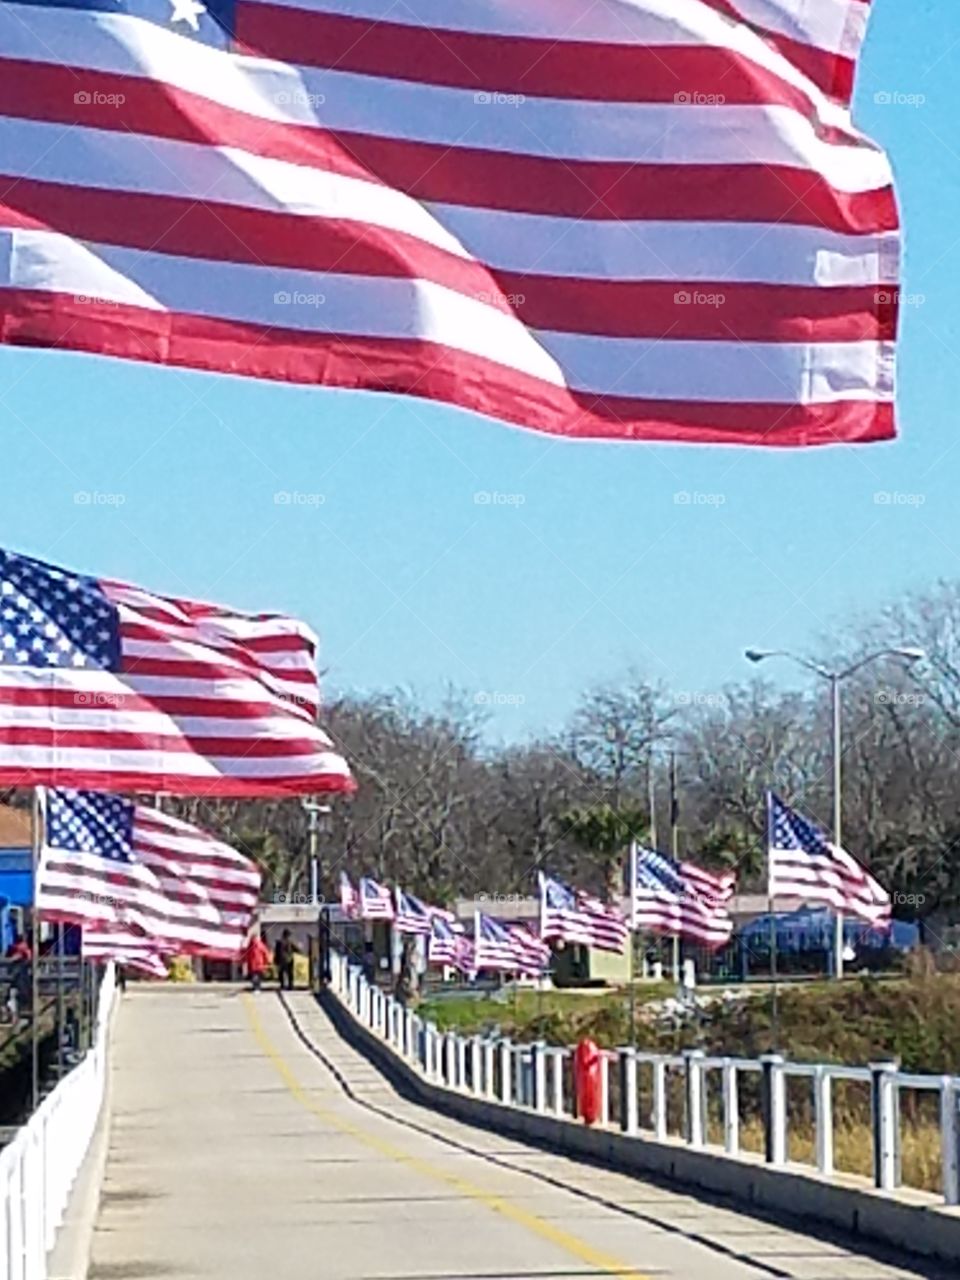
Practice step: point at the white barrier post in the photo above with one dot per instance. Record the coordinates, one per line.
(461, 1044)
(950, 1131)
(886, 1126)
(557, 1080)
(659, 1098)
(604, 1087)
(539, 1073)
(823, 1114)
(488, 1068)
(693, 1065)
(506, 1071)
(627, 1057)
(476, 1065)
(731, 1108)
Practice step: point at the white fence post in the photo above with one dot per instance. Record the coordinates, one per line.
(693, 1067)
(628, 1089)
(539, 1073)
(731, 1108)
(461, 1043)
(659, 1098)
(556, 1081)
(519, 1075)
(950, 1131)
(774, 1109)
(506, 1071)
(886, 1124)
(476, 1065)
(604, 1087)
(488, 1068)
(823, 1113)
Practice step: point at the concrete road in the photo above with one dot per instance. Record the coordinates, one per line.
(248, 1142)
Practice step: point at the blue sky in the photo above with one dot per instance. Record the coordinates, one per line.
(430, 547)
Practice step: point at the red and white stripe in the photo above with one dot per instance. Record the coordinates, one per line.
(633, 219)
(832, 877)
(581, 919)
(184, 890)
(207, 701)
(131, 950)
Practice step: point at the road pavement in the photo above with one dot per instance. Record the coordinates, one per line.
(249, 1142)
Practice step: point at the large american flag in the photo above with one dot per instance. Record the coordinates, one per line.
(107, 685)
(130, 868)
(570, 915)
(681, 898)
(639, 219)
(508, 947)
(805, 865)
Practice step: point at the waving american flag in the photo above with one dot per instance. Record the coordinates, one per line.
(573, 916)
(375, 901)
(107, 685)
(508, 947)
(638, 219)
(681, 898)
(143, 876)
(805, 865)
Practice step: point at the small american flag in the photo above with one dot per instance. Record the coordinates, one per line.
(508, 947)
(805, 865)
(131, 950)
(349, 898)
(106, 685)
(126, 867)
(412, 915)
(570, 915)
(448, 946)
(376, 900)
(681, 898)
(633, 219)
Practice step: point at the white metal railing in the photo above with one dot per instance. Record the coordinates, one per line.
(38, 1168)
(539, 1076)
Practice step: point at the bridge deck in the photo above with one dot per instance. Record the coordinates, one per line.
(237, 1153)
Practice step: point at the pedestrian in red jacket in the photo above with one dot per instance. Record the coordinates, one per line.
(257, 960)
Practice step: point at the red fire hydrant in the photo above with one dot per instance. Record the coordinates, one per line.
(586, 1081)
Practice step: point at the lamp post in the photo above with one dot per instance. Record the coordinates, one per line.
(318, 816)
(835, 678)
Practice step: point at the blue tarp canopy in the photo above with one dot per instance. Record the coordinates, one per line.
(811, 930)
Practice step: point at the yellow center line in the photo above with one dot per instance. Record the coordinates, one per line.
(578, 1248)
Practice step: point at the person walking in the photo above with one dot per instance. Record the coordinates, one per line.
(256, 958)
(283, 957)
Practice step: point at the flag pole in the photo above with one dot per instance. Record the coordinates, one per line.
(633, 943)
(837, 835)
(771, 908)
(675, 850)
(35, 841)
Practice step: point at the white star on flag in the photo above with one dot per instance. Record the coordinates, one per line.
(188, 11)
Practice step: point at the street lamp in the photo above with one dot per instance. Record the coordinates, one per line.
(910, 653)
(319, 821)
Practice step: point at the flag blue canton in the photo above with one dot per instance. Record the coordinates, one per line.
(559, 897)
(210, 22)
(791, 831)
(658, 873)
(90, 822)
(49, 618)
